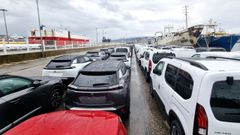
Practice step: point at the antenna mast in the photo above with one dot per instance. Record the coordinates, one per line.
(186, 15)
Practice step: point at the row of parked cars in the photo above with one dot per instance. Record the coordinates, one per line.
(198, 92)
(96, 82)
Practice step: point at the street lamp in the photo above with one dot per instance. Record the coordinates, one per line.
(4, 17)
(40, 28)
(96, 34)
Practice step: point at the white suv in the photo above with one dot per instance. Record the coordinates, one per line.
(199, 96)
(150, 58)
(66, 67)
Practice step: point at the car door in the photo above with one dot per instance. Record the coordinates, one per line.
(18, 101)
(157, 76)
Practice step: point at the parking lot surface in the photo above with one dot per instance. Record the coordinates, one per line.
(145, 117)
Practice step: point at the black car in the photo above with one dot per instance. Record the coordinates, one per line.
(21, 97)
(102, 85)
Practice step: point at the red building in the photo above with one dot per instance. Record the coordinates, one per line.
(52, 37)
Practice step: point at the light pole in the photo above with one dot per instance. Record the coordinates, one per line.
(40, 28)
(4, 17)
(96, 34)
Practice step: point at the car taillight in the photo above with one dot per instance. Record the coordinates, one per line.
(200, 121)
(149, 65)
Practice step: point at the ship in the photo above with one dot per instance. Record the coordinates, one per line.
(210, 37)
(56, 37)
(186, 37)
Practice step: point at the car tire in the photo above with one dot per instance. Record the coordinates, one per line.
(176, 128)
(55, 99)
(151, 88)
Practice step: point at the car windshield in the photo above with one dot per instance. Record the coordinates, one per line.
(158, 56)
(56, 64)
(225, 101)
(96, 79)
(121, 50)
(92, 54)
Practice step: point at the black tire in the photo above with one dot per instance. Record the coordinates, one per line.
(151, 88)
(55, 99)
(176, 128)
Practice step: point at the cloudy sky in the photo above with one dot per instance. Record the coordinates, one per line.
(118, 18)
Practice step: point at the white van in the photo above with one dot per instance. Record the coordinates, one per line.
(199, 96)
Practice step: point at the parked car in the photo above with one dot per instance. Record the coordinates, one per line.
(102, 85)
(20, 97)
(124, 50)
(121, 56)
(106, 51)
(199, 97)
(111, 50)
(183, 52)
(97, 55)
(71, 123)
(235, 55)
(150, 58)
(66, 67)
(210, 49)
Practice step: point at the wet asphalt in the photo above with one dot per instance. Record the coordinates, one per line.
(145, 114)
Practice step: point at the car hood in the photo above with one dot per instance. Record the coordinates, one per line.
(71, 123)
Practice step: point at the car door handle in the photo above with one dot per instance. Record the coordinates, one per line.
(15, 101)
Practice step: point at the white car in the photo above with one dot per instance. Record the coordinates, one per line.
(123, 50)
(66, 66)
(199, 96)
(121, 56)
(150, 58)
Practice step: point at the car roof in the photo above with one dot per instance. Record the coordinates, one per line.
(118, 53)
(222, 54)
(67, 57)
(212, 64)
(103, 66)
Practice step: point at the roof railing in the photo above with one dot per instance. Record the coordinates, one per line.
(219, 57)
(192, 62)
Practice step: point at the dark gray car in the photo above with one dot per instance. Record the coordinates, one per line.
(102, 85)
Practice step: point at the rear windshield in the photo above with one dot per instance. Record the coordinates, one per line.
(92, 54)
(217, 50)
(225, 101)
(121, 50)
(158, 56)
(96, 79)
(58, 64)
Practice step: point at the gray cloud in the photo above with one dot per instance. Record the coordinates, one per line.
(119, 17)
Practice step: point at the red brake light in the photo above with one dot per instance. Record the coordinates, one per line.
(149, 65)
(201, 121)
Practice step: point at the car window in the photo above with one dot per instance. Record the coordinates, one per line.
(75, 61)
(56, 64)
(146, 56)
(160, 66)
(13, 84)
(121, 50)
(170, 75)
(124, 70)
(96, 79)
(196, 56)
(86, 58)
(80, 60)
(184, 84)
(225, 101)
(158, 56)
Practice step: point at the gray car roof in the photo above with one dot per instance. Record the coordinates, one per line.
(103, 66)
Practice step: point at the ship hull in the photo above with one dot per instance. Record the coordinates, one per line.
(226, 41)
(186, 37)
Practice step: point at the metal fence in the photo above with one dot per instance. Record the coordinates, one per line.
(6, 49)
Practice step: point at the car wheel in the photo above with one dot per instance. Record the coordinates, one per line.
(176, 128)
(151, 88)
(55, 99)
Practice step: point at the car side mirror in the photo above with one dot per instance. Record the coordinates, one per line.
(36, 84)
